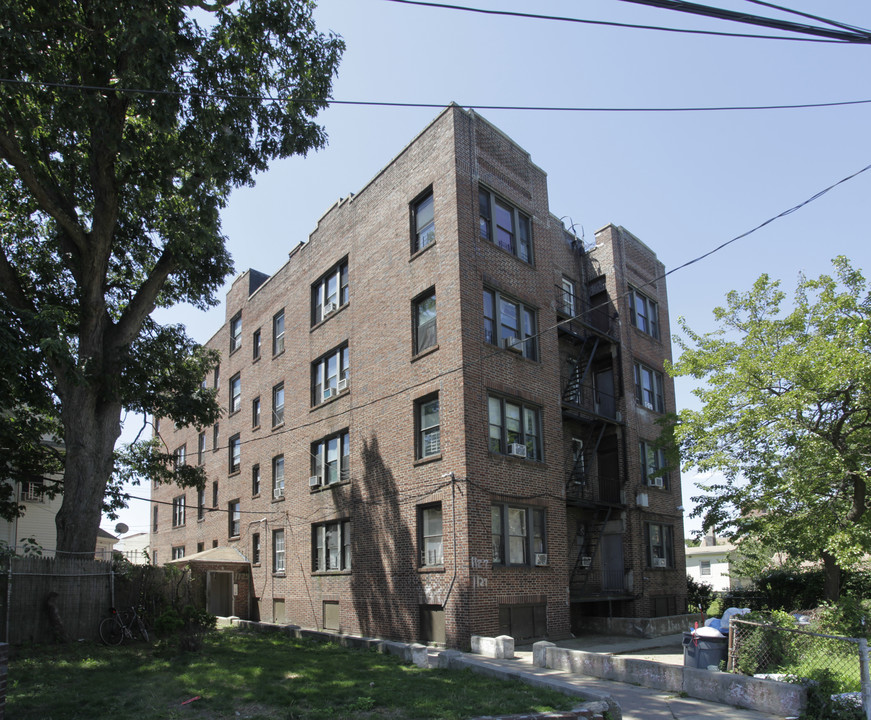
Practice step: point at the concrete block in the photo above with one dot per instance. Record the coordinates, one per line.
(539, 653)
(448, 659)
(501, 648)
(419, 655)
(505, 647)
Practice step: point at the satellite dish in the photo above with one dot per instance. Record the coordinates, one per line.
(121, 528)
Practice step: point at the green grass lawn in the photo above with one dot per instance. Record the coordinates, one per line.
(238, 675)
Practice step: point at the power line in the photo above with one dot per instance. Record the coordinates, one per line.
(634, 26)
(431, 105)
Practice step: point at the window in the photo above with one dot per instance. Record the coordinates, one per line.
(425, 322)
(255, 549)
(255, 480)
(331, 458)
(329, 375)
(705, 567)
(178, 511)
(235, 453)
(643, 313)
(653, 465)
(32, 491)
(201, 448)
(201, 546)
(215, 436)
(278, 476)
(429, 523)
(178, 552)
(660, 545)
(278, 551)
(331, 546)
(330, 292)
(215, 494)
(235, 393)
(504, 225)
(255, 345)
(510, 325)
(235, 332)
(569, 298)
(217, 376)
(648, 388)
(154, 519)
(255, 412)
(201, 504)
(178, 457)
(423, 223)
(278, 333)
(518, 535)
(515, 429)
(278, 404)
(428, 427)
(234, 518)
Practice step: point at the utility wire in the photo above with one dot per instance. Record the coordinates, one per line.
(439, 106)
(633, 26)
(833, 23)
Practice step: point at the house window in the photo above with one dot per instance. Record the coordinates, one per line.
(255, 345)
(331, 546)
(648, 388)
(643, 313)
(178, 511)
(255, 549)
(178, 552)
(201, 504)
(278, 551)
(32, 491)
(425, 322)
(201, 546)
(215, 436)
(201, 448)
(331, 458)
(569, 298)
(235, 453)
(515, 429)
(705, 567)
(215, 494)
(178, 457)
(329, 375)
(278, 404)
(255, 480)
(653, 465)
(504, 225)
(423, 223)
(154, 519)
(428, 427)
(330, 292)
(255, 412)
(217, 376)
(235, 393)
(234, 518)
(518, 535)
(278, 333)
(510, 325)
(278, 476)
(660, 545)
(235, 332)
(429, 523)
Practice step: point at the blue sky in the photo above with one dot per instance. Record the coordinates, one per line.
(682, 182)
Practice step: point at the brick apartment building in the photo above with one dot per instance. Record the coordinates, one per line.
(441, 416)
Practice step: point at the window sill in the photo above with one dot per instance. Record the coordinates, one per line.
(234, 350)
(520, 356)
(432, 569)
(256, 359)
(280, 499)
(514, 458)
(424, 353)
(279, 425)
(501, 249)
(278, 574)
(322, 488)
(233, 473)
(426, 460)
(254, 428)
(647, 335)
(329, 317)
(278, 354)
(332, 399)
(417, 253)
(330, 573)
(255, 495)
(234, 538)
(233, 412)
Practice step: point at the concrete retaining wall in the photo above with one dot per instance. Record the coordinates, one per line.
(777, 698)
(638, 627)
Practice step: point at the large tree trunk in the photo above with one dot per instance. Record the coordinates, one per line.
(832, 586)
(91, 428)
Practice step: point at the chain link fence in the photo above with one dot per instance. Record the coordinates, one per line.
(759, 649)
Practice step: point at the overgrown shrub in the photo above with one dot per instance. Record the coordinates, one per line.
(849, 617)
(764, 649)
(821, 687)
(699, 595)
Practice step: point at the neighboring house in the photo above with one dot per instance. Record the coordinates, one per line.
(105, 544)
(441, 415)
(709, 563)
(135, 548)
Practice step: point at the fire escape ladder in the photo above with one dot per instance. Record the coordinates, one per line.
(587, 555)
(581, 370)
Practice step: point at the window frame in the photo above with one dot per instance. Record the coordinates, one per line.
(234, 518)
(279, 552)
(426, 558)
(235, 332)
(255, 548)
(278, 477)
(646, 321)
(424, 236)
(256, 480)
(489, 227)
(421, 331)
(534, 536)
(658, 468)
(201, 504)
(320, 454)
(235, 389)
(255, 412)
(278, 333)
(178, 511)
(320, 291)
(320, 368)
(278, 404)
(177, 552)
(667, 543)
(526, 340)
(179, 457)
(341, 550)
(201, 448)
(656, 390)
(420, 432)
(504, 439)
(569, 296)
(704, 568)
(234, 454)
(256, 344)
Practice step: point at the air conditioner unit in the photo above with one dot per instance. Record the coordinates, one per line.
(540, 559)
(659, 562)
(586, 561)
(342, 385)
(330, 308)
(278, 492)
(328, 393)
(517, 450)
(314, 481)
(512, 343)
(656, 482)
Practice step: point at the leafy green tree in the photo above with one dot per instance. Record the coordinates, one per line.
(123, 129)
(786, 418)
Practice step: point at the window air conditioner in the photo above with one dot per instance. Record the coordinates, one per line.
(342, 385)
(517, 450)
(314, 481)
(328, 393)
(330, 308)
(540, 559)
(278, 492)
(586, 561)
(659, 562)
(512, 343)
(656, 482)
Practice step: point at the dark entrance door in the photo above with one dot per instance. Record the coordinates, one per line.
(220, 599)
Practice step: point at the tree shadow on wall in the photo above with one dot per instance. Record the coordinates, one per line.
(385, 586)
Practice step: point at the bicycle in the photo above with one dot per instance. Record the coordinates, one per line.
(120, 626)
